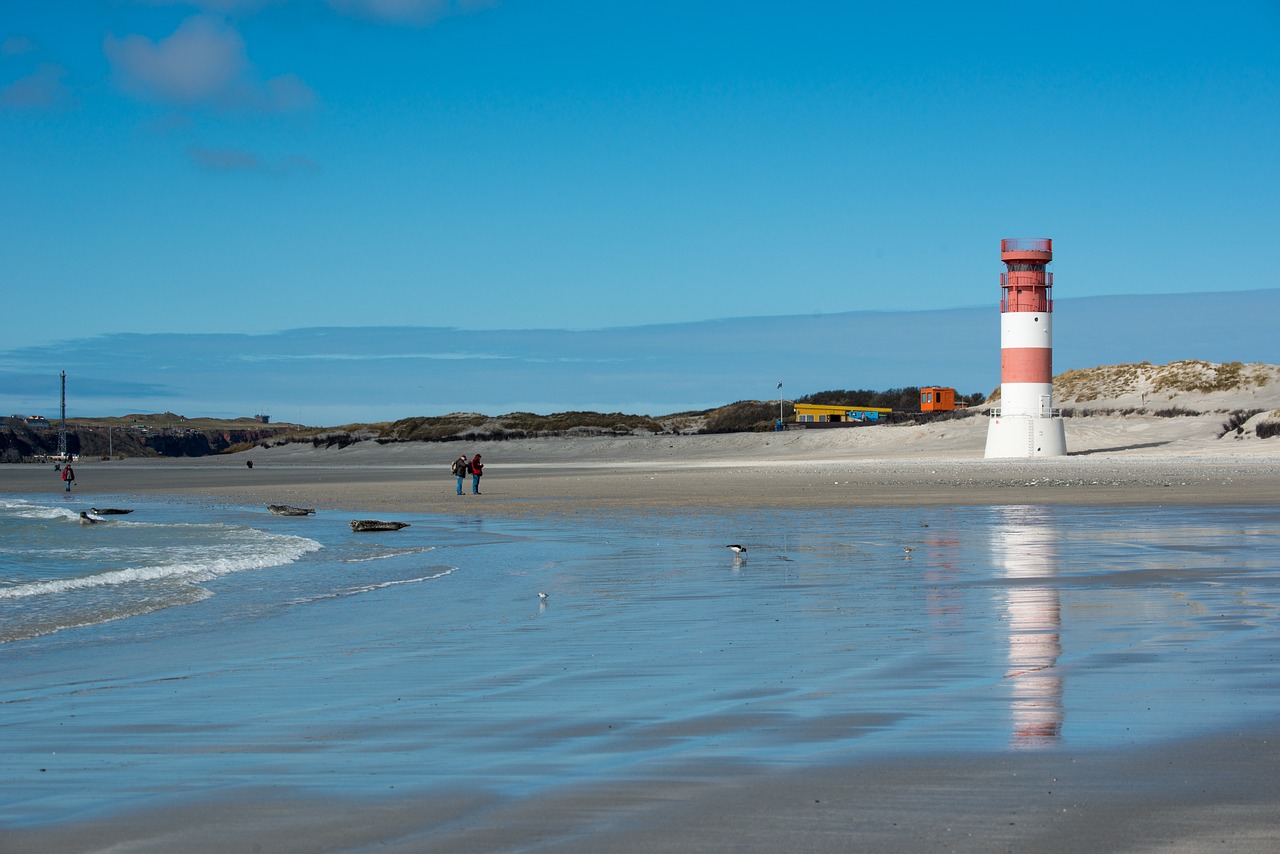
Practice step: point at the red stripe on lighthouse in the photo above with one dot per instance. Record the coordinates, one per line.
(1026, 365)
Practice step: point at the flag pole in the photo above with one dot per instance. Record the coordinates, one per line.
(779, 404)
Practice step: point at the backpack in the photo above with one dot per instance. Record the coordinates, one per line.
(459, 468)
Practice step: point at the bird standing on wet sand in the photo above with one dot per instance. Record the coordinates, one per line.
(543, 597)
(738, 551)
(907, 550)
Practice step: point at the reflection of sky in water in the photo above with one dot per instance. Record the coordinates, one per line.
(1004, 627)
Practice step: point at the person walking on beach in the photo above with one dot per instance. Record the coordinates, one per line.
(460, 470)
(68, 475)
(477, 469)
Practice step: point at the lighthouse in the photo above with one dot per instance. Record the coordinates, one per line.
(1025, 424)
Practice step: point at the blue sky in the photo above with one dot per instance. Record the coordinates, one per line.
(190, 170)
(251, 166)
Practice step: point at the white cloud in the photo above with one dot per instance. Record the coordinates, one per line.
(287, 93)
(41, 89)
(203, 63)
(238, 160)
(16, 46)
(226, 160)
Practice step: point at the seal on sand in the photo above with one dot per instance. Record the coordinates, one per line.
(286, 510)
(376, 525)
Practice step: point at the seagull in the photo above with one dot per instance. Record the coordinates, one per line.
(544, 597)
(738, 551)
(907, 552)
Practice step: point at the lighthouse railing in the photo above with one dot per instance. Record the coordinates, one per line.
(1026, 244)
(1004, 304)
(1026, 279)
(998, 412)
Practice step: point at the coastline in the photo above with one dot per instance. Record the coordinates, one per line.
(1111, 461)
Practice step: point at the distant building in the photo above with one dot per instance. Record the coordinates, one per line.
(37, 422)
(812, 413)
(262, 418)
(937, 399)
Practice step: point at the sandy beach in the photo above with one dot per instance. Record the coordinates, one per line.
(1111, 460)
(1214, 794)
(1211, 790)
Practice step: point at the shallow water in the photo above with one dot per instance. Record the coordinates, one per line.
(360, 663)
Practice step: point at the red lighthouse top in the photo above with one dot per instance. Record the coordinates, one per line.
(1029, 249)
(1025, 287)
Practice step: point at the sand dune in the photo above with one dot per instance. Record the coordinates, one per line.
(1187, 384)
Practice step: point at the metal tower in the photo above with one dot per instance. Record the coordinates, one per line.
(62, 424)
(1026, 424)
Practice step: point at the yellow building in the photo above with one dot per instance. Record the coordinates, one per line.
(811, 413)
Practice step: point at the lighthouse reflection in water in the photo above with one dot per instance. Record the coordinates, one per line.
(1024, 550)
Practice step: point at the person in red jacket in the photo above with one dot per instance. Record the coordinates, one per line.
(68, 476)
(477, 469)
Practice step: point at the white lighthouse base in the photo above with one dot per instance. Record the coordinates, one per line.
(1026, 436)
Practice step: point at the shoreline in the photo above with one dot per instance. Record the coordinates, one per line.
(1177, 462)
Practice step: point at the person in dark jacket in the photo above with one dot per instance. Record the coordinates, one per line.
(461, 468)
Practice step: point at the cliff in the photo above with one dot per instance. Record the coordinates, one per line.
(135, 436)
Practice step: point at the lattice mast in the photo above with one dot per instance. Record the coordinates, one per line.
(62, 422)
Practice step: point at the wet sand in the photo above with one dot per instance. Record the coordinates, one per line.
(1216, 792)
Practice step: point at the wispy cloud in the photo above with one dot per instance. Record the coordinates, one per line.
(17, 46)
(226, 160)
(42, 89)
(237, 160)
(371, 357)
(299, 163)
(203, 63)
(222, 6)
(341, 375)
(407, 12)
(32, 385)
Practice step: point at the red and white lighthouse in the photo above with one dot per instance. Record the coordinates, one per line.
(1026, 424)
